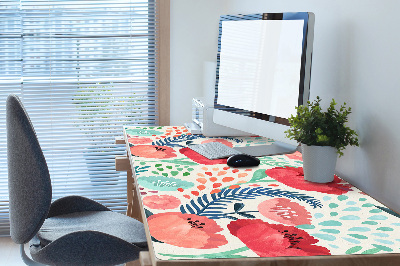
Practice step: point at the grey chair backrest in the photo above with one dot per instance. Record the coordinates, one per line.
(29, 181)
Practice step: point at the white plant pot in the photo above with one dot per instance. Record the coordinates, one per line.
(319, 163)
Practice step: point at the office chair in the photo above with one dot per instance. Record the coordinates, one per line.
(70, 231)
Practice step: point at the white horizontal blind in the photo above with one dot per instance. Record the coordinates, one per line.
(82, 69)
(10, 82)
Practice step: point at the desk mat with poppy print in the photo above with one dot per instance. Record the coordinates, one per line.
(198, 208)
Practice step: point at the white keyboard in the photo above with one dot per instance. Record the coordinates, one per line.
(214, 150)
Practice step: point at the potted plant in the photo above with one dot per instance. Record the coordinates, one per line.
(323, 135)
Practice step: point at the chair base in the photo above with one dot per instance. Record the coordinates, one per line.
(26, 259)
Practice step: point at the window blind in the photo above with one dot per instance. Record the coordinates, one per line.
(82, 69)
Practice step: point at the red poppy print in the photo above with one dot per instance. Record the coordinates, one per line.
(284, 211)
(139, 140)
(161, 202)
(294, 177)
(295, 156)
(223, 141)
(152, 151)
(274, 240)
(200, 159)
(186, 230)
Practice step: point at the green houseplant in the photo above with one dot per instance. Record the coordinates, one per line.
(323, 135)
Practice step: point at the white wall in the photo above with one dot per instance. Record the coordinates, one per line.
(194, 41)
(356, 60)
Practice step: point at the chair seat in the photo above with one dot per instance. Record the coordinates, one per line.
(108, 222)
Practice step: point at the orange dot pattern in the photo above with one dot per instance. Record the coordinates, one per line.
(173, 132)
(216, 178)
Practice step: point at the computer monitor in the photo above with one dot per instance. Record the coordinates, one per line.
(263, 73)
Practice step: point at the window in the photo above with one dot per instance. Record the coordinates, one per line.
(82, 69)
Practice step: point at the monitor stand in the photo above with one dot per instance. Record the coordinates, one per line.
(266, 150)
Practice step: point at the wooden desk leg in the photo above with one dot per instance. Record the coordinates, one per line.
(133, 199)
(144, 258)
(129, 192)
(122, 164)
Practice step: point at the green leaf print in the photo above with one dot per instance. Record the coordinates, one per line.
(164, 183)
(183, 161)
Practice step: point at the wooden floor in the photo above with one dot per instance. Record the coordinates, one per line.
(9, 253)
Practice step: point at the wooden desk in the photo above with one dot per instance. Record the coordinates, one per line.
(202, 212)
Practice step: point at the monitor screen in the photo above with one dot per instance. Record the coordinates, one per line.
(260, 65)
(263, 71)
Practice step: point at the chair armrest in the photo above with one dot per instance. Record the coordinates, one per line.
(72, 204)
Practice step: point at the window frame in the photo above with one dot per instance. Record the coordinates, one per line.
(163, 42)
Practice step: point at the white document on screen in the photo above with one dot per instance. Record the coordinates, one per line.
(260, 65)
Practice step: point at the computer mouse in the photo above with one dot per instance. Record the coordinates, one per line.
(239, 160)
